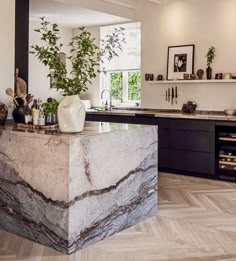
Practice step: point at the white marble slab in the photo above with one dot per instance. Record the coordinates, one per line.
(68, 191)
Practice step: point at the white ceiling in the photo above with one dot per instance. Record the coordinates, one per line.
(133, 4)
(70, 15)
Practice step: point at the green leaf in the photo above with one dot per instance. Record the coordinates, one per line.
(85, 56)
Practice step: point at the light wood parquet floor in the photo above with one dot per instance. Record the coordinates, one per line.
(196, 222)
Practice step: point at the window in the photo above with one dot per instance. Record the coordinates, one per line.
(123, 75)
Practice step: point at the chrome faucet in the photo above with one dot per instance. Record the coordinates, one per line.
(110, 104)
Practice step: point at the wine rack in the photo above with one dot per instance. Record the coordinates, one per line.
(226, 153)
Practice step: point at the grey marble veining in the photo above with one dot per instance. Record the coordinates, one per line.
(68, 191)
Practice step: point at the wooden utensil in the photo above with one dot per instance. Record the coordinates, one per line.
(10, 92)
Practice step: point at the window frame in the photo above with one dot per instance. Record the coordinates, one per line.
(106, 82)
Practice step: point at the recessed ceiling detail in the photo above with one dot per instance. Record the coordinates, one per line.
(159, 2)
(69, 15)
(132, 4)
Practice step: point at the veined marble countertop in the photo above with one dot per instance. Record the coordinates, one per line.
(198, 115)
(68, 191)
(90, 129)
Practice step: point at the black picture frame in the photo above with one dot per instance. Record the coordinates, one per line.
(180, 61)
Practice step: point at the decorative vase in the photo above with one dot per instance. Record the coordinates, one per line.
(71, 114)
(209, 73)
(3, 113)
(18, 114)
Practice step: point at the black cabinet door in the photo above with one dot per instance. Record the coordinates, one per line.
(195, 125)
(192, 140)
(193, 162)
(164, 159)
(163, 138)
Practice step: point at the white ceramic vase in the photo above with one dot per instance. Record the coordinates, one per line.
(71, 114)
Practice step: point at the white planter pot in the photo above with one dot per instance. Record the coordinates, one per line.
(71, 114)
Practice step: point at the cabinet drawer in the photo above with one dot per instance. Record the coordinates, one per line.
(192, 140)
(198, 162)
(195, 125)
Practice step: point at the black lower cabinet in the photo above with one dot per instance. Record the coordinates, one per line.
(186, 146)
(190, 147)
(192, 161)
(192, 140)
(164, 158)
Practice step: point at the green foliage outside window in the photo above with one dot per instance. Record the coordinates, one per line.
(116, 80)
(134, 85)
(134, 91)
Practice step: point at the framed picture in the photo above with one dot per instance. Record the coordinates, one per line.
(180, 61)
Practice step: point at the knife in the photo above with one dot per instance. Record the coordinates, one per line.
(176, 95)
(172, 95)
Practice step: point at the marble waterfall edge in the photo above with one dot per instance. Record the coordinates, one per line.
(70, 191)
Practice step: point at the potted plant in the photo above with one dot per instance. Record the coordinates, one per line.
(85, 57)
(211, 54)
(50, 108)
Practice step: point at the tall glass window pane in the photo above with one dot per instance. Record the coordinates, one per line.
(130, 57)
(116, 85)
(134, 85)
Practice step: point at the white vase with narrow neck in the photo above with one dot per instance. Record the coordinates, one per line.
(71, 114)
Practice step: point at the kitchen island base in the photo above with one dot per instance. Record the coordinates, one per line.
(71, 191)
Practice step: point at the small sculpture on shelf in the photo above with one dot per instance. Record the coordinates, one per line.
(190, 107)
(219, 76)
(160, 77)
(200, 74)
(186, 76)
(149, 77)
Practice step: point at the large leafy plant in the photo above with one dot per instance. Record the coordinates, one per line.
(85, 56)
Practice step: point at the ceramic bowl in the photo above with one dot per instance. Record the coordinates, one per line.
(230, 112)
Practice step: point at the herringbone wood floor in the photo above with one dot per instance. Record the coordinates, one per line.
(196, 222)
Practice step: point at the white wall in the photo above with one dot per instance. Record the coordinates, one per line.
(200, 22)
(7, 48)
(39, 83)
(177, 22)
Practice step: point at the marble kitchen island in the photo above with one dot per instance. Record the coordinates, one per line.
(68, 191)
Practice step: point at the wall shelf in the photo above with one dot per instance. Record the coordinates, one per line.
(192, 81)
